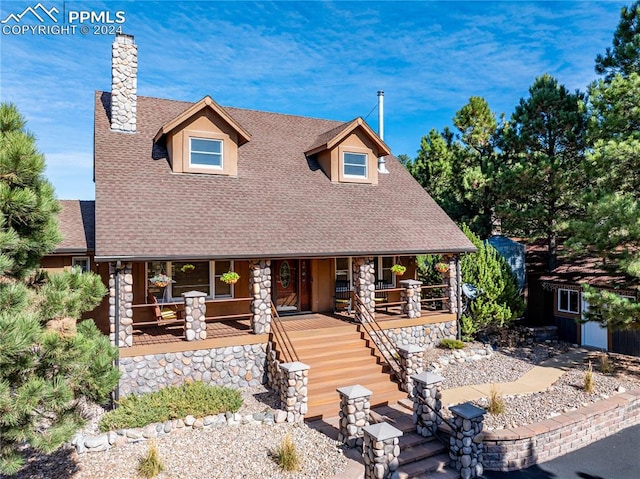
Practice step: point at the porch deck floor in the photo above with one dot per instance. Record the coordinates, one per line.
(224, 329)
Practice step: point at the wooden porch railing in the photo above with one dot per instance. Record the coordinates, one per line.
(287, 349)
(224, 317)
(424, 300)
(379, 337)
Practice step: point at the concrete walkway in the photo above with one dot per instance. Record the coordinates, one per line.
(536, 380)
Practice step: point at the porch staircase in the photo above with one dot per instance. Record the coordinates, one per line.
(338, 357)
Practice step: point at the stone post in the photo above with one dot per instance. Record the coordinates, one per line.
(260, 284)
(410, 296)
(293, 390)
(355, 409)
(465, 444)
(364, 285)
(411, 364)
(195, 311)
(125, 300)
(427, 391)
(380, 451)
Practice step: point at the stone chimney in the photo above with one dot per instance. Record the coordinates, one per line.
(124, 83)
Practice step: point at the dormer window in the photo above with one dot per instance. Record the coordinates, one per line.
(205, 153)
(354, 165)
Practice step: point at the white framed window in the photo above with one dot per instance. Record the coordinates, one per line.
(343, 270)
(383, 266)
(568, 301)
(206, 153)
(187, 276)
(83, 262)
(354, 165)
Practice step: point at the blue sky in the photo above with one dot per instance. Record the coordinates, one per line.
(319, 59)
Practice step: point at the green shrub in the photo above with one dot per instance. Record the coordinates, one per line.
(448, 343)
(174, 402)
(287, 455)
(149, 466)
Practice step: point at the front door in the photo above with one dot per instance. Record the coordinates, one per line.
(291, 292)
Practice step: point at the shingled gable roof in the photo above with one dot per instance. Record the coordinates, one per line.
(206, 102)
(281, 204)
(334, 136)
(76, 221)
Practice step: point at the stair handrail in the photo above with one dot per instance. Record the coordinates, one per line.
(282, 338)
(381, 340)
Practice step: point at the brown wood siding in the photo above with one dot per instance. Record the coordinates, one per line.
(322, 284)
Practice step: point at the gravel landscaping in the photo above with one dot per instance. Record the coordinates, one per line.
(246, 451)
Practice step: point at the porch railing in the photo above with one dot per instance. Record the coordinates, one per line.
(379, 337)
(283, 340)
(226, 317)
(433, 301)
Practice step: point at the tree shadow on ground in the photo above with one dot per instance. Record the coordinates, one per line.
(59, 464)
(533, 472)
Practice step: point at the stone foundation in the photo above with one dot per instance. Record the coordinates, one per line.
(233, 366)
(425, 336)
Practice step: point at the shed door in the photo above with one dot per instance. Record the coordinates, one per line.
(593, 335)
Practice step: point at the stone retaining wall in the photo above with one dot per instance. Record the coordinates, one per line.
(426, 335)
(107, 440)
(521, 447)
(234, 366)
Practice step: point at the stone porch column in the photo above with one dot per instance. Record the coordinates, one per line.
(451, 278)
(124, 279)
(364, 285)
(380, 451)
(195, 311)
(465, 443)
(355, 410)
(260, 287)
(411, 296)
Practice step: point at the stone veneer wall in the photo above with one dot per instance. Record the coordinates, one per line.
(521, 447)
(425, 335)
(234, 366)
(125, 299)
(124, 83)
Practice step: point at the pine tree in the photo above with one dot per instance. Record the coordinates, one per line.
(499, 301)
(47, 362)
(624, 58)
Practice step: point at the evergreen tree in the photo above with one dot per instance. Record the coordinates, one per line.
(47, 363)
(459, 169)
(27, 202)
(499, 301)
(624, 57)
(544, 146)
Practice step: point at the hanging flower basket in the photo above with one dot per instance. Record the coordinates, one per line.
(398, 269)
(187, 268)
(160, 280)
(230, 277)
(442, 267)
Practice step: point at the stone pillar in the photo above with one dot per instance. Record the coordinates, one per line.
(195, 311)
(293, 390)
(410, 296)
(125, 300)
(465, 446)
(260, 284)
(380, 451)
(355, 409)
(427, 391)
(451, 278)
(411, 364)
(124, 83)
(364, 285)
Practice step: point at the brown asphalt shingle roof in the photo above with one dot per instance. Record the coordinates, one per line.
(280, 205)
(76, 222)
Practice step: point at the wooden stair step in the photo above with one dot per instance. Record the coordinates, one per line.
(322, 332)
(346, 359)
